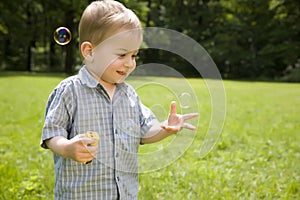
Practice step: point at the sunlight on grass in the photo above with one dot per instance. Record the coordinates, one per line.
(257, 156)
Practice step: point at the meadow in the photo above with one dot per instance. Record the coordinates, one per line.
(256, 157)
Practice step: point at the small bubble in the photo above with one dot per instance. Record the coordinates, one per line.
(62, 36)
(185, 100)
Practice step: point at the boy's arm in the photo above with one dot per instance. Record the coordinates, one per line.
(77, 148)
(155, 133)
(174, 124)
(60, 110)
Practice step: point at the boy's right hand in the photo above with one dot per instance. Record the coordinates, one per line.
(80, 148)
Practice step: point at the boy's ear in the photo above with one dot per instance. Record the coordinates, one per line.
(87, 50)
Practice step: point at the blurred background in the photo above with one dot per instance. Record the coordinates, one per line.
(247, 39)
(256, 42)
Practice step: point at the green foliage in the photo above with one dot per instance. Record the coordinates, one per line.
(246, 38)
(292, 75)
(257, 156)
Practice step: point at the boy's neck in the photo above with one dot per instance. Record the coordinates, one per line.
(109, 87)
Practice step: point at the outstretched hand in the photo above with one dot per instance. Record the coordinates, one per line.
(176, 121)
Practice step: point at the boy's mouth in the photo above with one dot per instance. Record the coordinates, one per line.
(122, 73)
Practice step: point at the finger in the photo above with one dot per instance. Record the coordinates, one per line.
(81, 136)
(173, 108)
(189, 116)
(88, 154)
(87, 141)
(92, 149)
(171, 128)
(189, 126)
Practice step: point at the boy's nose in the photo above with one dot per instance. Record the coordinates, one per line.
(129, 62)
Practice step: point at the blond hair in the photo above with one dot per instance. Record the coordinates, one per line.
(104, 18)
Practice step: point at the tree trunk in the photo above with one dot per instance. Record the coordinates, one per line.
(29, 26)
(28, 64)
(149, 13)
(69, 59)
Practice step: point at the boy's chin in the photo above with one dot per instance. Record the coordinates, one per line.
(117, 82)
(121, 81)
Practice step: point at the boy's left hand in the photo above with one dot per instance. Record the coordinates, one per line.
(176, 122)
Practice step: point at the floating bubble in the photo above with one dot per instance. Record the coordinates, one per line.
(166, 152)
(62, 36)
(185, 100)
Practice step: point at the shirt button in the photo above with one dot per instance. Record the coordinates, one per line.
(115, 131)
(118, 179)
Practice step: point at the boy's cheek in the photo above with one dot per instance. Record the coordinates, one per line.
(100, 63)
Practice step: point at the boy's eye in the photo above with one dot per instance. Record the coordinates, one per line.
(121, 55)
(135, 56)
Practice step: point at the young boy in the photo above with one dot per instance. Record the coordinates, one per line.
(97, 99)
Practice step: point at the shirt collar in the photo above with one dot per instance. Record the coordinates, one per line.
(86, 78)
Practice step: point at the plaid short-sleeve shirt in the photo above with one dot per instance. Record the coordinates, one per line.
(79, 104)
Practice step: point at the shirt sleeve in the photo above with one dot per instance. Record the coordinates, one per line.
(59, 112)
(146, 119)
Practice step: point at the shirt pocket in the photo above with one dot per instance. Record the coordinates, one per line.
(129, 135)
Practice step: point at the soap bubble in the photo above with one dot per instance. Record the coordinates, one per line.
(169, 85)
(62, 36)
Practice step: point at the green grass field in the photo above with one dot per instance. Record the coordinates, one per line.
(256, 157)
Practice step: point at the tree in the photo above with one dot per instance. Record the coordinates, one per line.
(246, 38)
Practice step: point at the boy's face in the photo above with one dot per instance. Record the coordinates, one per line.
(115, 58)
(121, 67)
